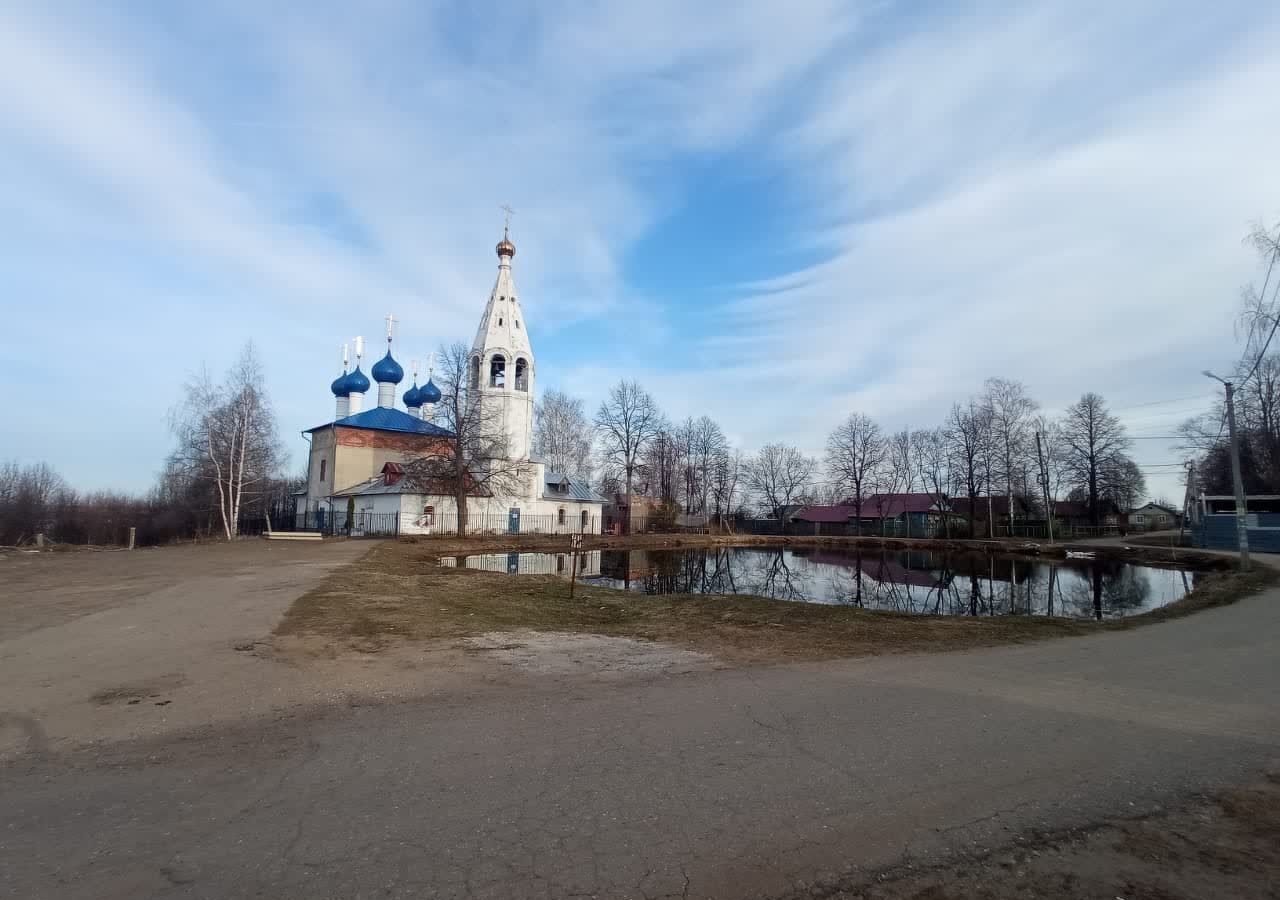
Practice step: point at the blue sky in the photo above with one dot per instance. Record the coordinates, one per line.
(773, 214)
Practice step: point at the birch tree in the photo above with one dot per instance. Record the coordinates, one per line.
(1010, 411)
(227, 436)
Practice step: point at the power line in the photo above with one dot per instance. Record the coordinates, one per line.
(1161, 402)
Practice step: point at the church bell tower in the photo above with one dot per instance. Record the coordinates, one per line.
(501, 367)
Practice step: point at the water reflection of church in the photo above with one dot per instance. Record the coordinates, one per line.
(530, 563)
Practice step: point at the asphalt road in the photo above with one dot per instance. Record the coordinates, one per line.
(730, 783)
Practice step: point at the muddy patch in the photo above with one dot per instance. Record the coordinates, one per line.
(152, 689)
(563, 653)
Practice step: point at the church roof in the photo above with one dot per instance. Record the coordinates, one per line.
(565, 487)
(382, 418)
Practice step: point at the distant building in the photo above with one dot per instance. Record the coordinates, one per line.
(899, 513)
(637, 509)
(1075, 513)
(1154, 517)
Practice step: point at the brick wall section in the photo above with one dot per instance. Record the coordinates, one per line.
(391, 440)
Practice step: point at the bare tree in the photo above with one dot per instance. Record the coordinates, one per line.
(894, 476)
(627, 421)
(475, 459)
(663, 466)
(779, 475)
(967, 434)
(1259, 311)
(562, 434)
(855, 451)
(1011, 412)
(726, 478)
(1121, 481)
(28, 497)
(1094, 440)
(929, 454)
(227, 436)
(704, 442)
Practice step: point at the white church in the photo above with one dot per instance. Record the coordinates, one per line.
(356, 470)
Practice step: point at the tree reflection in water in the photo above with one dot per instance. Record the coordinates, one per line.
(915, 581)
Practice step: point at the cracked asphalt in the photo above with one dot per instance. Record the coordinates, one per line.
(723, 783)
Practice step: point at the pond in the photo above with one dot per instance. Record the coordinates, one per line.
(907, 581)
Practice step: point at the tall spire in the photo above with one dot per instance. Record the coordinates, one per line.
(505, 248)
(501, 366)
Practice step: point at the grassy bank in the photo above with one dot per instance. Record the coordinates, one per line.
(398, 591)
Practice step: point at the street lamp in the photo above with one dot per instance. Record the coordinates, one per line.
(1242, 524)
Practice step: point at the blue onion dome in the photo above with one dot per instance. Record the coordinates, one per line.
(429, 393)
(412, 400)
(339, 386)
(357, 382)
(387, 370)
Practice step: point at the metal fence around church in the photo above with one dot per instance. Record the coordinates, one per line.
(335, 524)
(505, 523)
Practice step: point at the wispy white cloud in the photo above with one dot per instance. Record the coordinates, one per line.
(1045, 192)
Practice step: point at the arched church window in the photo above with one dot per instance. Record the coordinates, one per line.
(560, 516)
(522, 374)
(499, 320)
(474, 380)
(584, 520)
(498, 371)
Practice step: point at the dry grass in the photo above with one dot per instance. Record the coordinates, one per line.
(399, 591)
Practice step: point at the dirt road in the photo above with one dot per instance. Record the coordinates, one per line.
(109, 645)
(531, 780)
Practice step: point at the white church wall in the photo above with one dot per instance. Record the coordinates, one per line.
(426, 514)
(515, 563)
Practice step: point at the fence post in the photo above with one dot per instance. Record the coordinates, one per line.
(133, 536)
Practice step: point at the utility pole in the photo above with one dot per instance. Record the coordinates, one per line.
(1044, 488)
(1186, 502)
(1242, 524)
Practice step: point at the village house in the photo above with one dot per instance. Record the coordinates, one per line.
(1154, 517)
(896, 513)
(1075, 514)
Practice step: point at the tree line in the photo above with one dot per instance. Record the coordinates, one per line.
(986, 450)
(226, 464)
(224, 470)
